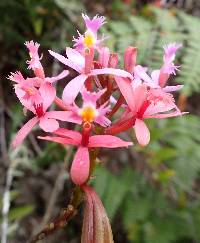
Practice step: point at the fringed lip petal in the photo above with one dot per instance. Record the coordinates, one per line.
(107, 141)
(24, 131)
(80, 166)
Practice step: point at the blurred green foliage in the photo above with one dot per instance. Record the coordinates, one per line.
(156, 194)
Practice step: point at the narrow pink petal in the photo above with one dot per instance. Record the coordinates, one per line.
(112, 71)
(76, 136)
(24, 131)
(63, 116)
(142, 132)
(48, 125)
(80, 166)
(75, 57)
(48, 94)
(58, 140)
(65, 61)
(172, 114)
(107, 141)
(62, 75)
(126, 90)
(72, 89)
(172, 88)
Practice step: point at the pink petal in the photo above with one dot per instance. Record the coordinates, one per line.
(72, 89)
(75, 57)
(76, 136)
(172, 114)
(48, 94)
(80, 166)
(63, 116)
(139, 96)
(112, 71)
(24, 131)
(48, 125)
(142, 132)
(172, 88)
(107, 141)
(126, 90)
(65, 61)
(58, 140)
(62, 75)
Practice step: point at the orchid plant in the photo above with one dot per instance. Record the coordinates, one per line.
(113, 100)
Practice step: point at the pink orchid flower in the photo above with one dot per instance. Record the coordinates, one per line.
(140, 76)
(159, 78)
(168, 66)
(90, 39)
(47, 120)
(144, 104)
(89, 112)
(81, 164)
(83, 65)
(37, 67)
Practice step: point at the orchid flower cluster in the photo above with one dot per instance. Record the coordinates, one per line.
(113, 100)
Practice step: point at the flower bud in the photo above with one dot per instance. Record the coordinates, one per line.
(96, 225)
(130, 58)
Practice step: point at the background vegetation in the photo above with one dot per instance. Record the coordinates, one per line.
(152, 195)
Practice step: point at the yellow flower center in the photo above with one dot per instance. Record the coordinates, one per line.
(88, 113)
(30, 91)
(89, 39)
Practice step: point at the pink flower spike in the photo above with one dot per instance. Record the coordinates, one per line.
(142, 132)
(24, 131)
(130, 58)
(80, 166)
(107, 141)
(35, 63)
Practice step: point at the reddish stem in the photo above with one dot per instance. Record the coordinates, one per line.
(117, 105)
